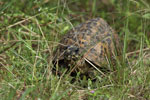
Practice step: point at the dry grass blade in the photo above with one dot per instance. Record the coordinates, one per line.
(94, 66)
(7, 48)
(136, 52)
(82, 95)
(58, 84)
(19, 22)
(32, 33)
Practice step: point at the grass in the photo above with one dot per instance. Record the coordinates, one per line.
(30, 32)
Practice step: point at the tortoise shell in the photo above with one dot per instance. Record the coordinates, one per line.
(93, 41)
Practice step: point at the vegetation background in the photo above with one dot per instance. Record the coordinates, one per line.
(31, 29)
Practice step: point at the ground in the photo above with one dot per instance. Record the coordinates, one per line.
(31, 30)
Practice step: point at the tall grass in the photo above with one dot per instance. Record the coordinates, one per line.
(30, 32)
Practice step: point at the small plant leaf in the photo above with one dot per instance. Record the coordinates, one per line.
(146, 16)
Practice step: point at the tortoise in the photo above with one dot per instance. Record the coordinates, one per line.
(92, 43)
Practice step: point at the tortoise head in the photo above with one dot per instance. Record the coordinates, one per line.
(72, 52)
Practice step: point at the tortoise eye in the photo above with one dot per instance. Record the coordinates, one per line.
(77, 50)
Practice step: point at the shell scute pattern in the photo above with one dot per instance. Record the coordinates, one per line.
(92, 40)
